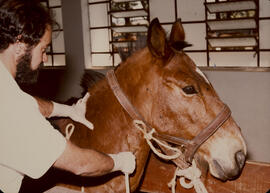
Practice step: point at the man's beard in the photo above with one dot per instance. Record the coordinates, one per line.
(24, 73)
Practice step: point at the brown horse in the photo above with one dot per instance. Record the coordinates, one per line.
(173, 96)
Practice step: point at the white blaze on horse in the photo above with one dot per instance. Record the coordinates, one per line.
(166, 90)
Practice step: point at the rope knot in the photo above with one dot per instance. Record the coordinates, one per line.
(193, 174)
(149, 135)
(139, 124)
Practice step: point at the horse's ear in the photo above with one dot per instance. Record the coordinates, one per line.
(156, 39)
(177, 32)
(177, 37)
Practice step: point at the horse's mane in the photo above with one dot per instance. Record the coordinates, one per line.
(90, 78)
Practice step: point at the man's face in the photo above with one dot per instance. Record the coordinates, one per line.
(28, 64)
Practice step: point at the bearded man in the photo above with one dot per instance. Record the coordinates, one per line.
(29, 145)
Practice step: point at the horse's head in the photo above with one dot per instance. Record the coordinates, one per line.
(177, 99)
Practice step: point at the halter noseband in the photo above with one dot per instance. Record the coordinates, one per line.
(190, 146)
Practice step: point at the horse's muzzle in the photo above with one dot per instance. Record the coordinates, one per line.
(230, 173)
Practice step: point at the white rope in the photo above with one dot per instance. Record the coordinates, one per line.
(149, 136)
(69, 131)
(191, 173)
(127, 183)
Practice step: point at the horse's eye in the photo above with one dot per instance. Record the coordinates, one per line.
(189, 90)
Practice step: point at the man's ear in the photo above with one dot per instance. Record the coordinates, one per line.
(20, 48)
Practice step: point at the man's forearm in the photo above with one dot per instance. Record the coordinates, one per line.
(84, 162)
(89, 162)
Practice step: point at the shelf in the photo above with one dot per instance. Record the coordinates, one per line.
(122, 1)
(123, 43)
(129, 13)
(133, 22)
(231, 6)
(142, 28)
(233, 42)
(235, 24)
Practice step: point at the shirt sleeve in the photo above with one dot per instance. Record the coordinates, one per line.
(28, 142)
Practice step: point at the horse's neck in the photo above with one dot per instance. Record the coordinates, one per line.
(104, 105)
(104, 109)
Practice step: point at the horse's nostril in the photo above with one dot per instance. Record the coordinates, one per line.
(229, 172)
(240, 158)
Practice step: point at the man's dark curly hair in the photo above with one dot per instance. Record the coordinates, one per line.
(23, 20)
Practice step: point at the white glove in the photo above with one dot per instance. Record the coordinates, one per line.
(124, 161)
(76, 112)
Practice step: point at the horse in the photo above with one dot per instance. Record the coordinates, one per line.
(162, 87)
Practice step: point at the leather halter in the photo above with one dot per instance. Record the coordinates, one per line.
(190, 146)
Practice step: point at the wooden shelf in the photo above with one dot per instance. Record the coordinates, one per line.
(141, 28)
(232, 42)
(122, 1)
(129, 13)
(234, 24)
(254, 178)
(122, 43)
(122, 22)
(231, 6)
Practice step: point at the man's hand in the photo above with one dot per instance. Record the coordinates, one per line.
(76, 112)
(124, 161)
(79, 110)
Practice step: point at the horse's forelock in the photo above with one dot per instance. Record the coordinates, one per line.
(179, 45)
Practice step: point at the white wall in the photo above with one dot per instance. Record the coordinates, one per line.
(248, 96)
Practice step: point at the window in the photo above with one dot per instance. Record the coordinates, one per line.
(117, 28)
(56, 50)
(234, 38)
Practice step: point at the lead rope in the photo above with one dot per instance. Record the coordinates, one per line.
(68, 132)
(191, 173)
(149, 136)
(127, 183)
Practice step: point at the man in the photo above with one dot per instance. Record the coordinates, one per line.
(28, 143)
